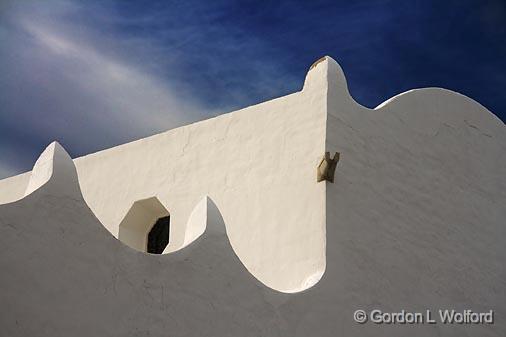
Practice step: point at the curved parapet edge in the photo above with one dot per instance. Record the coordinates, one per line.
(54, 172)
(425, 112)
(428, 110)
(54, 191)
(54, 168)
(206, 225)
(206, 222)
(13, 188)
(430, 94)
(196, 224)
(327, 74)
(215, 238)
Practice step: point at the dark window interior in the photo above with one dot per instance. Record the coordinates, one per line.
(158, 237)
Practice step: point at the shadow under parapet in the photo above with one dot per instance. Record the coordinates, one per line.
(62, 270)
(413, 223)
(55, 171)
(414, 216)
(54, 179)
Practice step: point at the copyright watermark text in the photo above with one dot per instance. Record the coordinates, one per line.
(442, 316)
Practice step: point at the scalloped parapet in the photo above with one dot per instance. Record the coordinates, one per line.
(66, 275)
(54, 168)
(418, 177)
(53, 172)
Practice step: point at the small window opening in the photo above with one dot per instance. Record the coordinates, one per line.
(158, 237)
(145, 227)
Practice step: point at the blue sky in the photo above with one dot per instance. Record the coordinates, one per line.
(94, 74)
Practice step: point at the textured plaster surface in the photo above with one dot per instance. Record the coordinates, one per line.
(257, 164)
(414, 220)
(13, 188)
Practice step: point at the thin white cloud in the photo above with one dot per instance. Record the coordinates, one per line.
(132, 97)
(76, 72)
(6, 171)
(61, 81)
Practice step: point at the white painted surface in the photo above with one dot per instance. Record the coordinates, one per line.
(196, 223)
(13, 188)
(423, 155)
(256, 163)
(64, 275)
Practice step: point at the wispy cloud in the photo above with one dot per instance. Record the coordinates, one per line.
(136, 102)
(93, 74)
(58, 83)
(6, 171)
(96, 74)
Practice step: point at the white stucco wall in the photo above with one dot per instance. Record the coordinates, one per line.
(414, 220)
(13, 188)
(257, 164)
